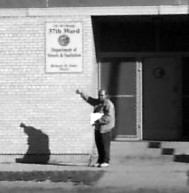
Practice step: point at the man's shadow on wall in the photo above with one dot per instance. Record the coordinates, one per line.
(38, 146)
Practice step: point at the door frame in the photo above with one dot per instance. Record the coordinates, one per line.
(139, 82)
(139, 101)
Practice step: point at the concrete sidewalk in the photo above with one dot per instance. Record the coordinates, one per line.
(135, 174)
(128, 174)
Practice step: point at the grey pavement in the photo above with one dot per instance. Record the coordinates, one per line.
(125, 174)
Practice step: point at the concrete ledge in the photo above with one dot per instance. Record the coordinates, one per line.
(181, 158)
(13, 12)
(95, 11)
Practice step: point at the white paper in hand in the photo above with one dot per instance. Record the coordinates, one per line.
(95, 117)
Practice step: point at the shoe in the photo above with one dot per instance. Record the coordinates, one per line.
(104, 165)
(96, 165)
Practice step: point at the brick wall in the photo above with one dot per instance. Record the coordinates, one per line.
(44, 101)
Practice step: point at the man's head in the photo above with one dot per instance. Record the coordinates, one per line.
(102, 95)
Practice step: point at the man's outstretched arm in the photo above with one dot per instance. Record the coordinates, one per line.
(87, 98)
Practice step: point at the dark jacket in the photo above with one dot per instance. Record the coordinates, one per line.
(107, 121)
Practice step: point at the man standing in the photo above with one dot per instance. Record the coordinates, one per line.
(103, 126)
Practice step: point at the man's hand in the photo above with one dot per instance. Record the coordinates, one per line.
(83, 95)
(78, 91)
(22, 125)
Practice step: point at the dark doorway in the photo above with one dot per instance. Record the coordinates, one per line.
(185, 103)
(166, 98)
(161, 44)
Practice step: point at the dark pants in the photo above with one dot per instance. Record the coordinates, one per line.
(103, 141)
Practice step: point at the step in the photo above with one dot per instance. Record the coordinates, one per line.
(180, 147)
(134, 149)
(149, 149)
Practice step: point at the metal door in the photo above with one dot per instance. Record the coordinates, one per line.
(119, 79)
(162, 100)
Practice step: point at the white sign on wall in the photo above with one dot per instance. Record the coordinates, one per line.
(64, 47)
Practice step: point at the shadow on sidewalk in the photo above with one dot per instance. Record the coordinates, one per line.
(38, 146)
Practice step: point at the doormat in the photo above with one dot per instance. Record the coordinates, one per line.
(85, 177)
